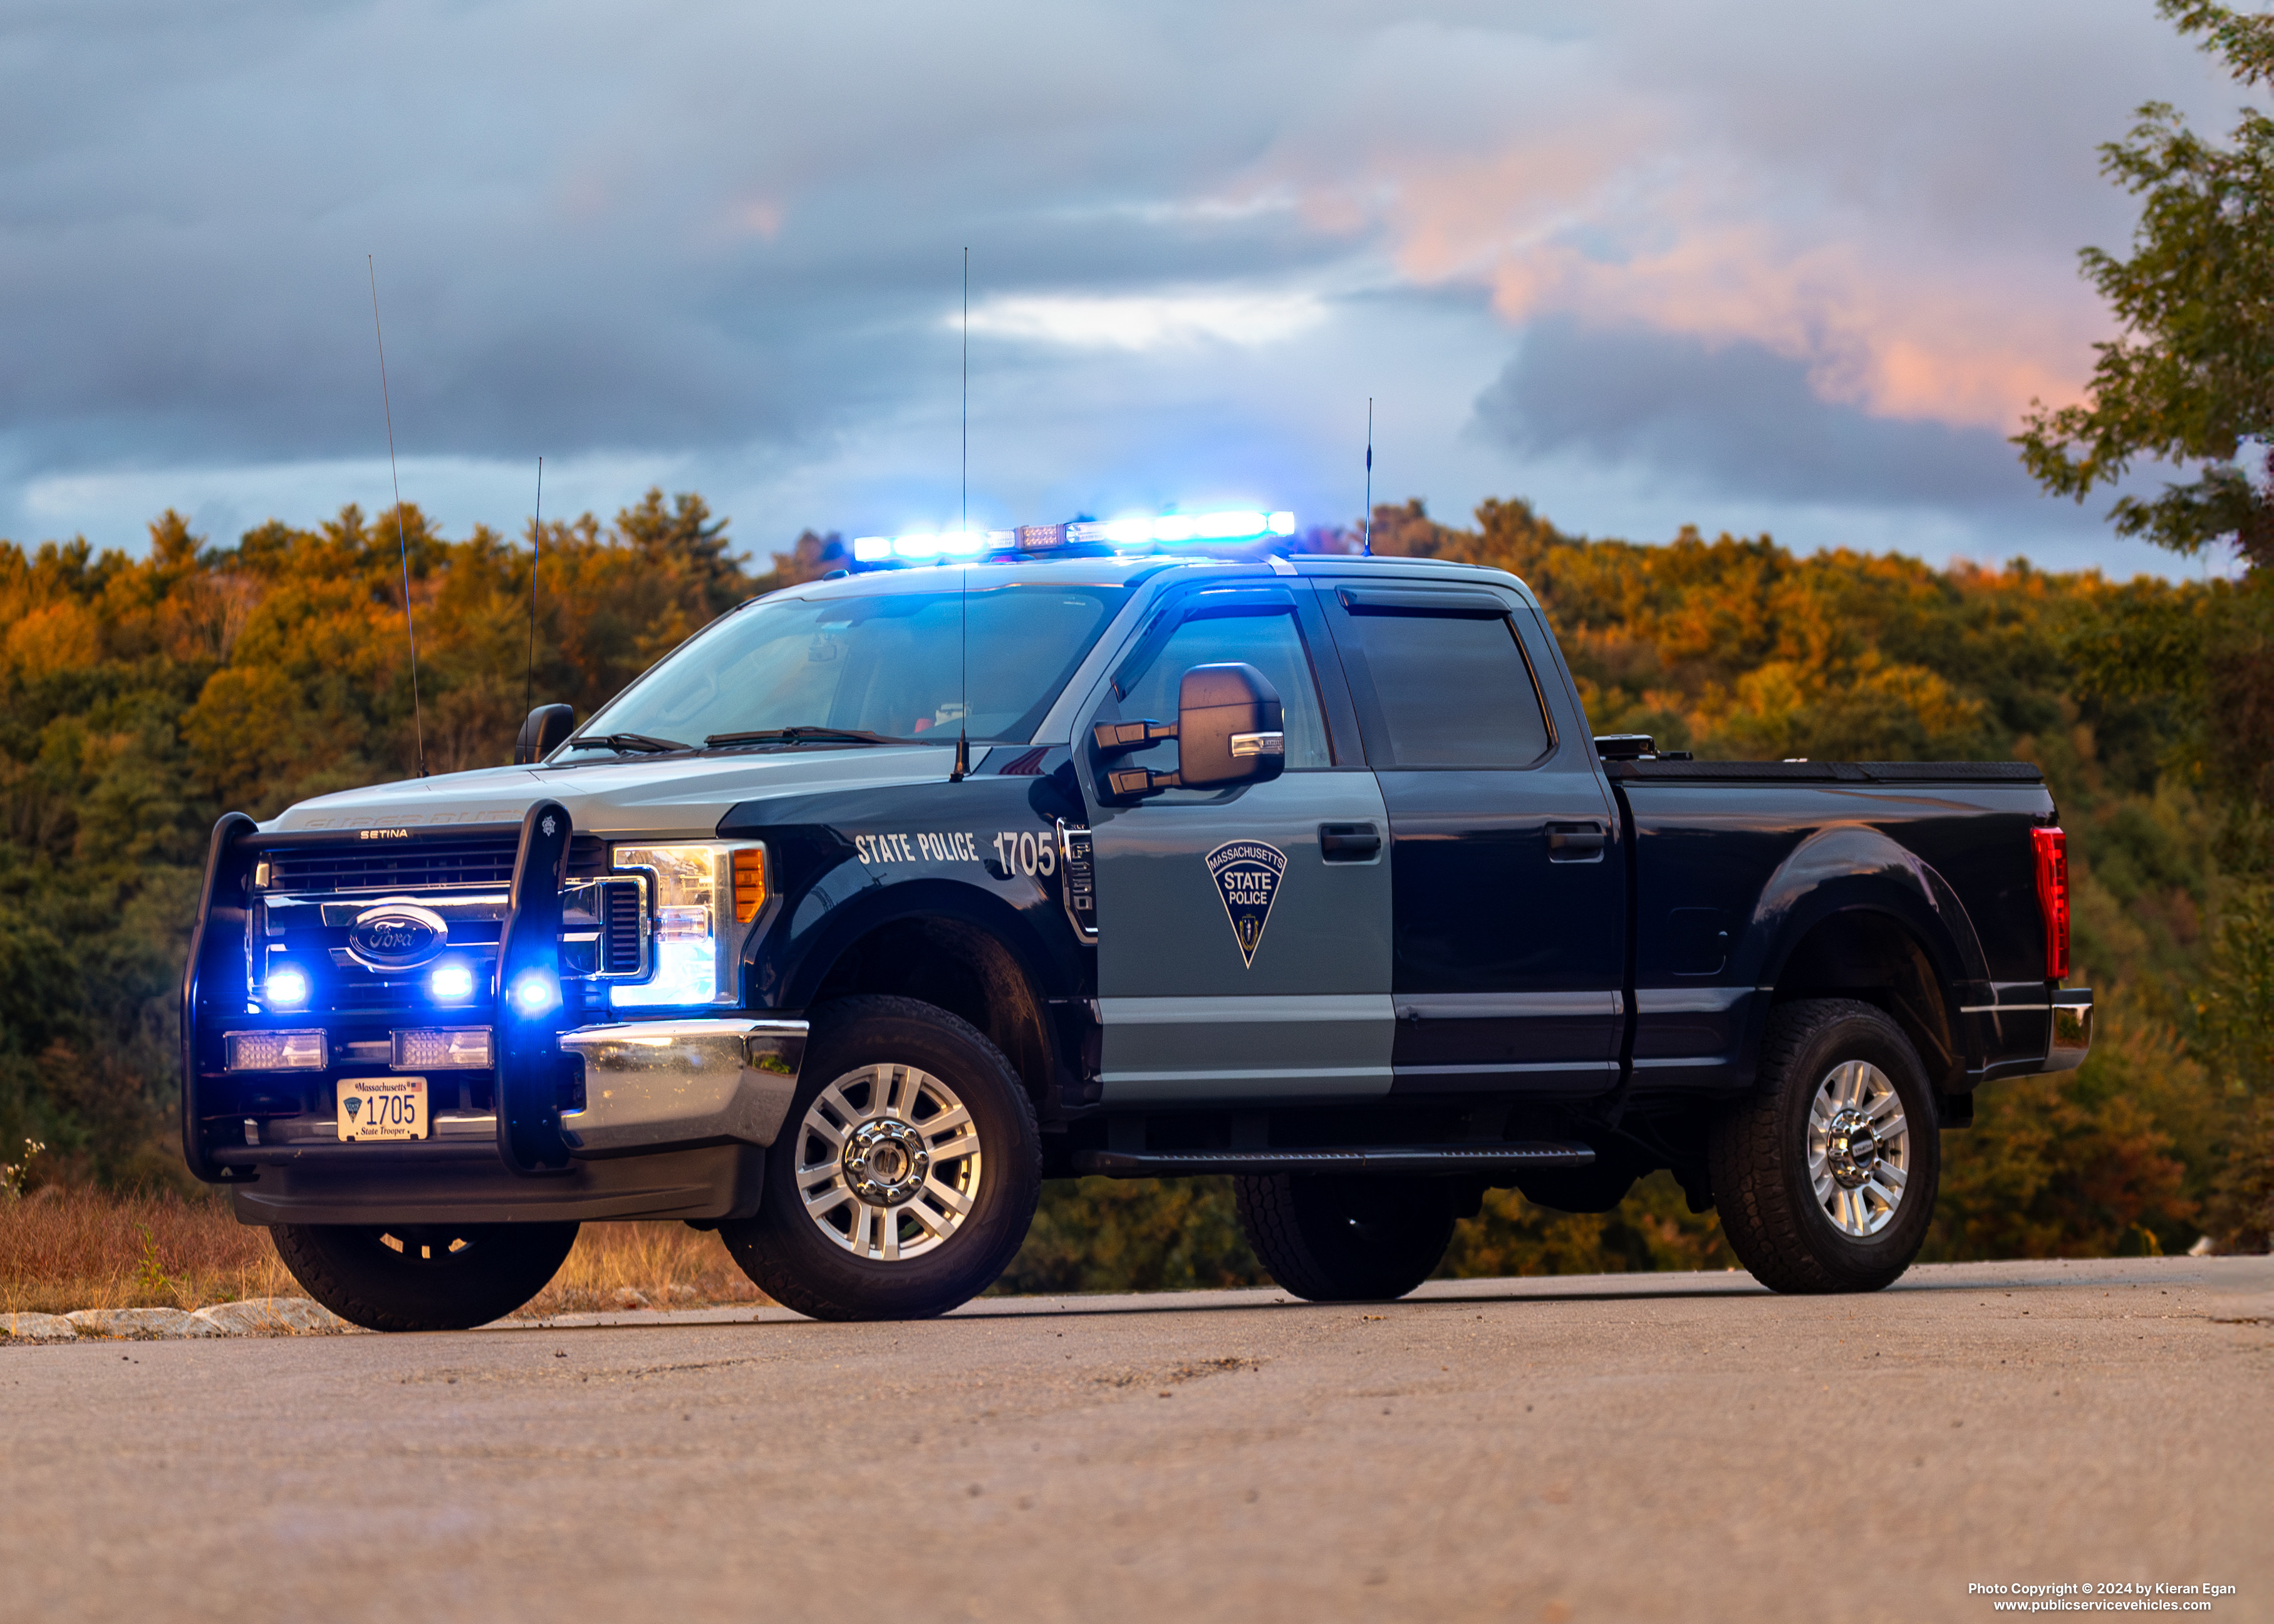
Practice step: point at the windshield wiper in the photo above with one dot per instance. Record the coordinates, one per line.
(627, 744)
(800, 735)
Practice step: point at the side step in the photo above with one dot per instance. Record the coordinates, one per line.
(1354, 1159)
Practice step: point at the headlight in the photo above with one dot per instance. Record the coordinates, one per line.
(703, 890)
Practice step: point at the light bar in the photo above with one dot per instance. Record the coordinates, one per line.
(927, 547)
(1231, 524)
(275, 1051)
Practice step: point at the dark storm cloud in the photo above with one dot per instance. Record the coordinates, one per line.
(1733, 420)
(720, 243)
(592, 228)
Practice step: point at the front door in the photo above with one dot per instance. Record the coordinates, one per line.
(1242, 934)
(1510, 888)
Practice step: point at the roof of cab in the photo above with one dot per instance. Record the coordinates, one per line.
(1129, 569)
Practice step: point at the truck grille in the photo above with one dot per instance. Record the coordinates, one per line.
(483, 862)
(603, 925)
(417, 868)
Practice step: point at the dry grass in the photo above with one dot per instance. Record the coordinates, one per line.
(644, 1266)
(66, 1249)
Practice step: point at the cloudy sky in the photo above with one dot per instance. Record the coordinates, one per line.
(1786, 266)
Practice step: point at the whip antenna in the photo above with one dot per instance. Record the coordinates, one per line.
(1369, 476)
(963, 573)
(402, 543)
(536, 548)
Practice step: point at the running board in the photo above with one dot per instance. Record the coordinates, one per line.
(1355, 1159)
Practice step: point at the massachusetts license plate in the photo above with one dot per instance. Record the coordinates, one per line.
(382, 1108)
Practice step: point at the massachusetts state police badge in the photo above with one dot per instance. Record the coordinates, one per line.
(1247, 873)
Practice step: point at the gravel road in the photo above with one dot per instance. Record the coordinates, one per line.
(1613, 1448)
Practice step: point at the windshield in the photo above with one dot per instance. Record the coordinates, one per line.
(892, 665)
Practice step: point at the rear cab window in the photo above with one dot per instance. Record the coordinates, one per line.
(1440, 678)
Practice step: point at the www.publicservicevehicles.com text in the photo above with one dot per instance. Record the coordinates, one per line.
(2084, 1598)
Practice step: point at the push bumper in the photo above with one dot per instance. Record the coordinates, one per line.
(2072, 1029)
(676, 1119)
(661, 1084)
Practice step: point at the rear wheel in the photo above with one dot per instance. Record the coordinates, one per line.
(423, 1277)
(1825, 1176)
(907, 1174)
(1341, 1239)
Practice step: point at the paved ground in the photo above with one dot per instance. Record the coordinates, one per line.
(1668, 1447)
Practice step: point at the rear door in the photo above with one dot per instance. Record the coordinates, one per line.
(1242, 934)
(1508, 884)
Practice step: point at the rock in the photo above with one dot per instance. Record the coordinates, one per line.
(38, 1327)
(627, 1297)
(142, 1324)
(269, 1316)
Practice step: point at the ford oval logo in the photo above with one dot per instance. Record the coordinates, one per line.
(395, 935)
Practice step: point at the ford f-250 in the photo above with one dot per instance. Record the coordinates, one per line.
(884, 898)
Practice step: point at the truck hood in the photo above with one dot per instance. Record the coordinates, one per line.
(675, 795)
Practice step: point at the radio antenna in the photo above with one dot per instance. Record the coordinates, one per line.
(962, 767)
(536, 548)
(1369, 476)
(402, 543)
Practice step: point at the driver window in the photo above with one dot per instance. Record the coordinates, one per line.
(1271, 642)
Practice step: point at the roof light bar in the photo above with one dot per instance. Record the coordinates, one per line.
(1133, 533)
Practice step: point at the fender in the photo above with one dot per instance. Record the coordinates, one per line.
(808, 958)
(1850, 868)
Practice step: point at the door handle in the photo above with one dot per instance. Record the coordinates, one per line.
(1575, 842)
(1349, 842)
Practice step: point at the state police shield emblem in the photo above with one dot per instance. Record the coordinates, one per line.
(1246, 874)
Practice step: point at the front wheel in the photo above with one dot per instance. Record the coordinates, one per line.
(905, 1175)
(1825, 1175)
(423, 1277)
(1343, 1239)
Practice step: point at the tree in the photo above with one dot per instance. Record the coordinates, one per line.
(2190, 382)
(686, 540)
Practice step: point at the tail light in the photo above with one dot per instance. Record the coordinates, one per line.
(2052, 898)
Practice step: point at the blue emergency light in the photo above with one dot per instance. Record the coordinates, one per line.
(1231, 526)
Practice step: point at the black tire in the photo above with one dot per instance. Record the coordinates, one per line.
(1341, 1239)
(785, 1251)
(1759, 1152)
(423, 1277)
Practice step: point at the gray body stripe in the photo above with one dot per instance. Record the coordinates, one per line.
(1244, 1010)
(1689, 1000)
(1504, 1005)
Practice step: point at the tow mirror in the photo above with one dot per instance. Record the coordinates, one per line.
(547, 728)
(1228, 731)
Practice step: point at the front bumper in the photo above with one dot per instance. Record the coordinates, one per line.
(659, 1084)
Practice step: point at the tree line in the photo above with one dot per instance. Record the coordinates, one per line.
(141, 696)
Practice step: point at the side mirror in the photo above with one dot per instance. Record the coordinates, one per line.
(1228, 731)
(547, 728)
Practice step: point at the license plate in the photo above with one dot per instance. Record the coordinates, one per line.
(382, 1108)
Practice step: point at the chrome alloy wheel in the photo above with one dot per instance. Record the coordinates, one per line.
(1859, 1147)
(888, 1163)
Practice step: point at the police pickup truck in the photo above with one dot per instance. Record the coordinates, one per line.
(884, 898)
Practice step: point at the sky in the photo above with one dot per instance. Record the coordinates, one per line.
(1787, 267)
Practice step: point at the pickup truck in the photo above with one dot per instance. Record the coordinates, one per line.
(884, 898)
